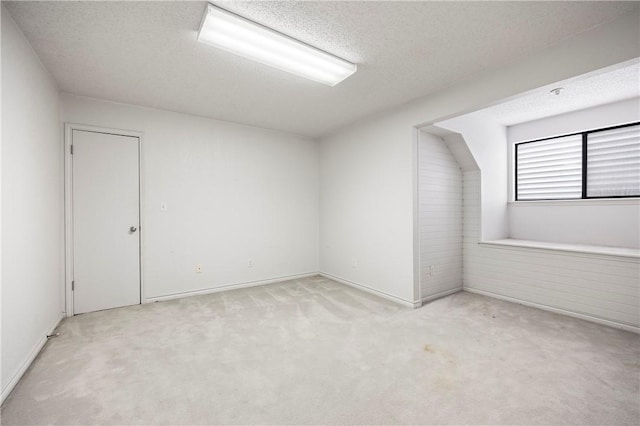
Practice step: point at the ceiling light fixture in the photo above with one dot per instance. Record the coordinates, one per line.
(246, 38)
(556, 91)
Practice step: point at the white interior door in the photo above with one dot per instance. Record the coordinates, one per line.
(106, 221)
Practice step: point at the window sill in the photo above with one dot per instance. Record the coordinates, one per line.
(633, 201)
(573, 248)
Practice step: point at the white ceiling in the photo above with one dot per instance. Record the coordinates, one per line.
(146, 53)
(596, 88)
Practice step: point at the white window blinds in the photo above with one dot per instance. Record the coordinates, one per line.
(613, 162)
(549, 169)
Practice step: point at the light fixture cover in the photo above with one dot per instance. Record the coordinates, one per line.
(246, 38)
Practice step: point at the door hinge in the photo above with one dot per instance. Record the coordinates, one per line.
(71, 149)
(73, 285)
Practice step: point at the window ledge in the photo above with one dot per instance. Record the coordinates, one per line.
(634, 201)
(573, 248)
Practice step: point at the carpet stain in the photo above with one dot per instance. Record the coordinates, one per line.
(444, 355)
(444, 383)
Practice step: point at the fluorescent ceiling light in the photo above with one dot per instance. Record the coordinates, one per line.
(238, 35)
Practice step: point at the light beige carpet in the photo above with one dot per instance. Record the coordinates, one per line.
(314, 351)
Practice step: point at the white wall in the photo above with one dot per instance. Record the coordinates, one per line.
(440, 212)
(598, 222)
(487, 142)
(602, 288)
(361, 219)
(32, 204)
(367, 209)
(613, 223)
(233, 193)
(599, 288)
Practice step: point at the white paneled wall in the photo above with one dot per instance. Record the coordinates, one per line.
(471, 212)
(440, 212)
(600, 288)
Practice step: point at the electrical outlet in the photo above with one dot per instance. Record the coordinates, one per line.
(250, 263)
(354, 263)
(432, 269)
(198, 268)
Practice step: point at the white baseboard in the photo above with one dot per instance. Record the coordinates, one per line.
(6, 390)
(415, 304)
(441, 294)
(585, 317)
(227, 287)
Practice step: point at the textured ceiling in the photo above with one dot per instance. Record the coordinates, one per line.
(146, 53)
(593, 89)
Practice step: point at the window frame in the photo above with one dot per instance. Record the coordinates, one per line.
(584, 134)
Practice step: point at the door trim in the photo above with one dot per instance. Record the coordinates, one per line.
(68, 205)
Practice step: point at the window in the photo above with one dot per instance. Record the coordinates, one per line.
(602, 163)
(613, 162)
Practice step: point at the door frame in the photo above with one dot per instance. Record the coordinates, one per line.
(68, 204)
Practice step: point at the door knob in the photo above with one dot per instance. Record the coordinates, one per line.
(133, 229)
